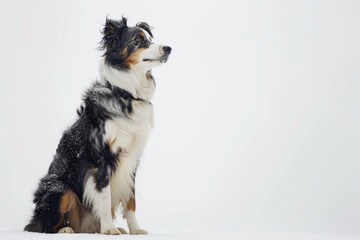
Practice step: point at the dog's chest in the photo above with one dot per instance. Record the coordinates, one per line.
(128, 134)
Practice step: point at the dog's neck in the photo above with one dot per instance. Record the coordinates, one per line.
(139, 84)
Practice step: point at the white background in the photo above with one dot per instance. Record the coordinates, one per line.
(257, 110)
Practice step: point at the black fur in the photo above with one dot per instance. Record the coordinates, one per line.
(46, 199)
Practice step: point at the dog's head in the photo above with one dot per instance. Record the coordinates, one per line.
(128, 48)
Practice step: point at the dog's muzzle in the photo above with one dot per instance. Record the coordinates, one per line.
(164, 57)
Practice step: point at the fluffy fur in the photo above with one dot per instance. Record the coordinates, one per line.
(93, 170)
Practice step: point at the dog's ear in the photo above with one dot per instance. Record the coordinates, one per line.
(111, 32)
(146, 27)
(122, 23)
(113, 27)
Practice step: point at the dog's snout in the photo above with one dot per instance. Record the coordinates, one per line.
(167, 49)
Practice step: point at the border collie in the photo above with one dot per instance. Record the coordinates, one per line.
(93, 171)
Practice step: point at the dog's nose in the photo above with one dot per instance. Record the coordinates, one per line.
(167, 49)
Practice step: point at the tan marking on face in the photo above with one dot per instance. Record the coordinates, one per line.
(142, 34)
(124, 52)
(131, 206)
(134, 57)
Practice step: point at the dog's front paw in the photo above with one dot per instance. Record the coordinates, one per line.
(123, 231)
(111, 231)
(138, 232)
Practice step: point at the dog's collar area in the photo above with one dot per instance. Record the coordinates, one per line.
(122, 93)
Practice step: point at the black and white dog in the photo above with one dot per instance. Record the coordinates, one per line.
(93, 171)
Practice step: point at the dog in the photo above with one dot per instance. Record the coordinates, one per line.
(93, 170)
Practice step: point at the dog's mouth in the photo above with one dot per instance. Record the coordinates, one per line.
(161, 59)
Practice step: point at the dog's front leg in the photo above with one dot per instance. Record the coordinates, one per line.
(99, 200)
(130, 216)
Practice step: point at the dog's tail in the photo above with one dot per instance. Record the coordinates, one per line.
(35, 225)
(47, 199)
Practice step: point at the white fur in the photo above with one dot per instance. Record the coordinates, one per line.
(128, 134)
(100, 203)
(125, 80)
(132, 221)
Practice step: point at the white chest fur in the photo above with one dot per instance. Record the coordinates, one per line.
(130, 135)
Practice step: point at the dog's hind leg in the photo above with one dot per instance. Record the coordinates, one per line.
(47, 199)
(71, 214)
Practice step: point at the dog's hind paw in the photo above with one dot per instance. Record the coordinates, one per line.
(138, 232)
(66, 230)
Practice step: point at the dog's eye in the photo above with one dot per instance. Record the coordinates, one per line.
(137, 41)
